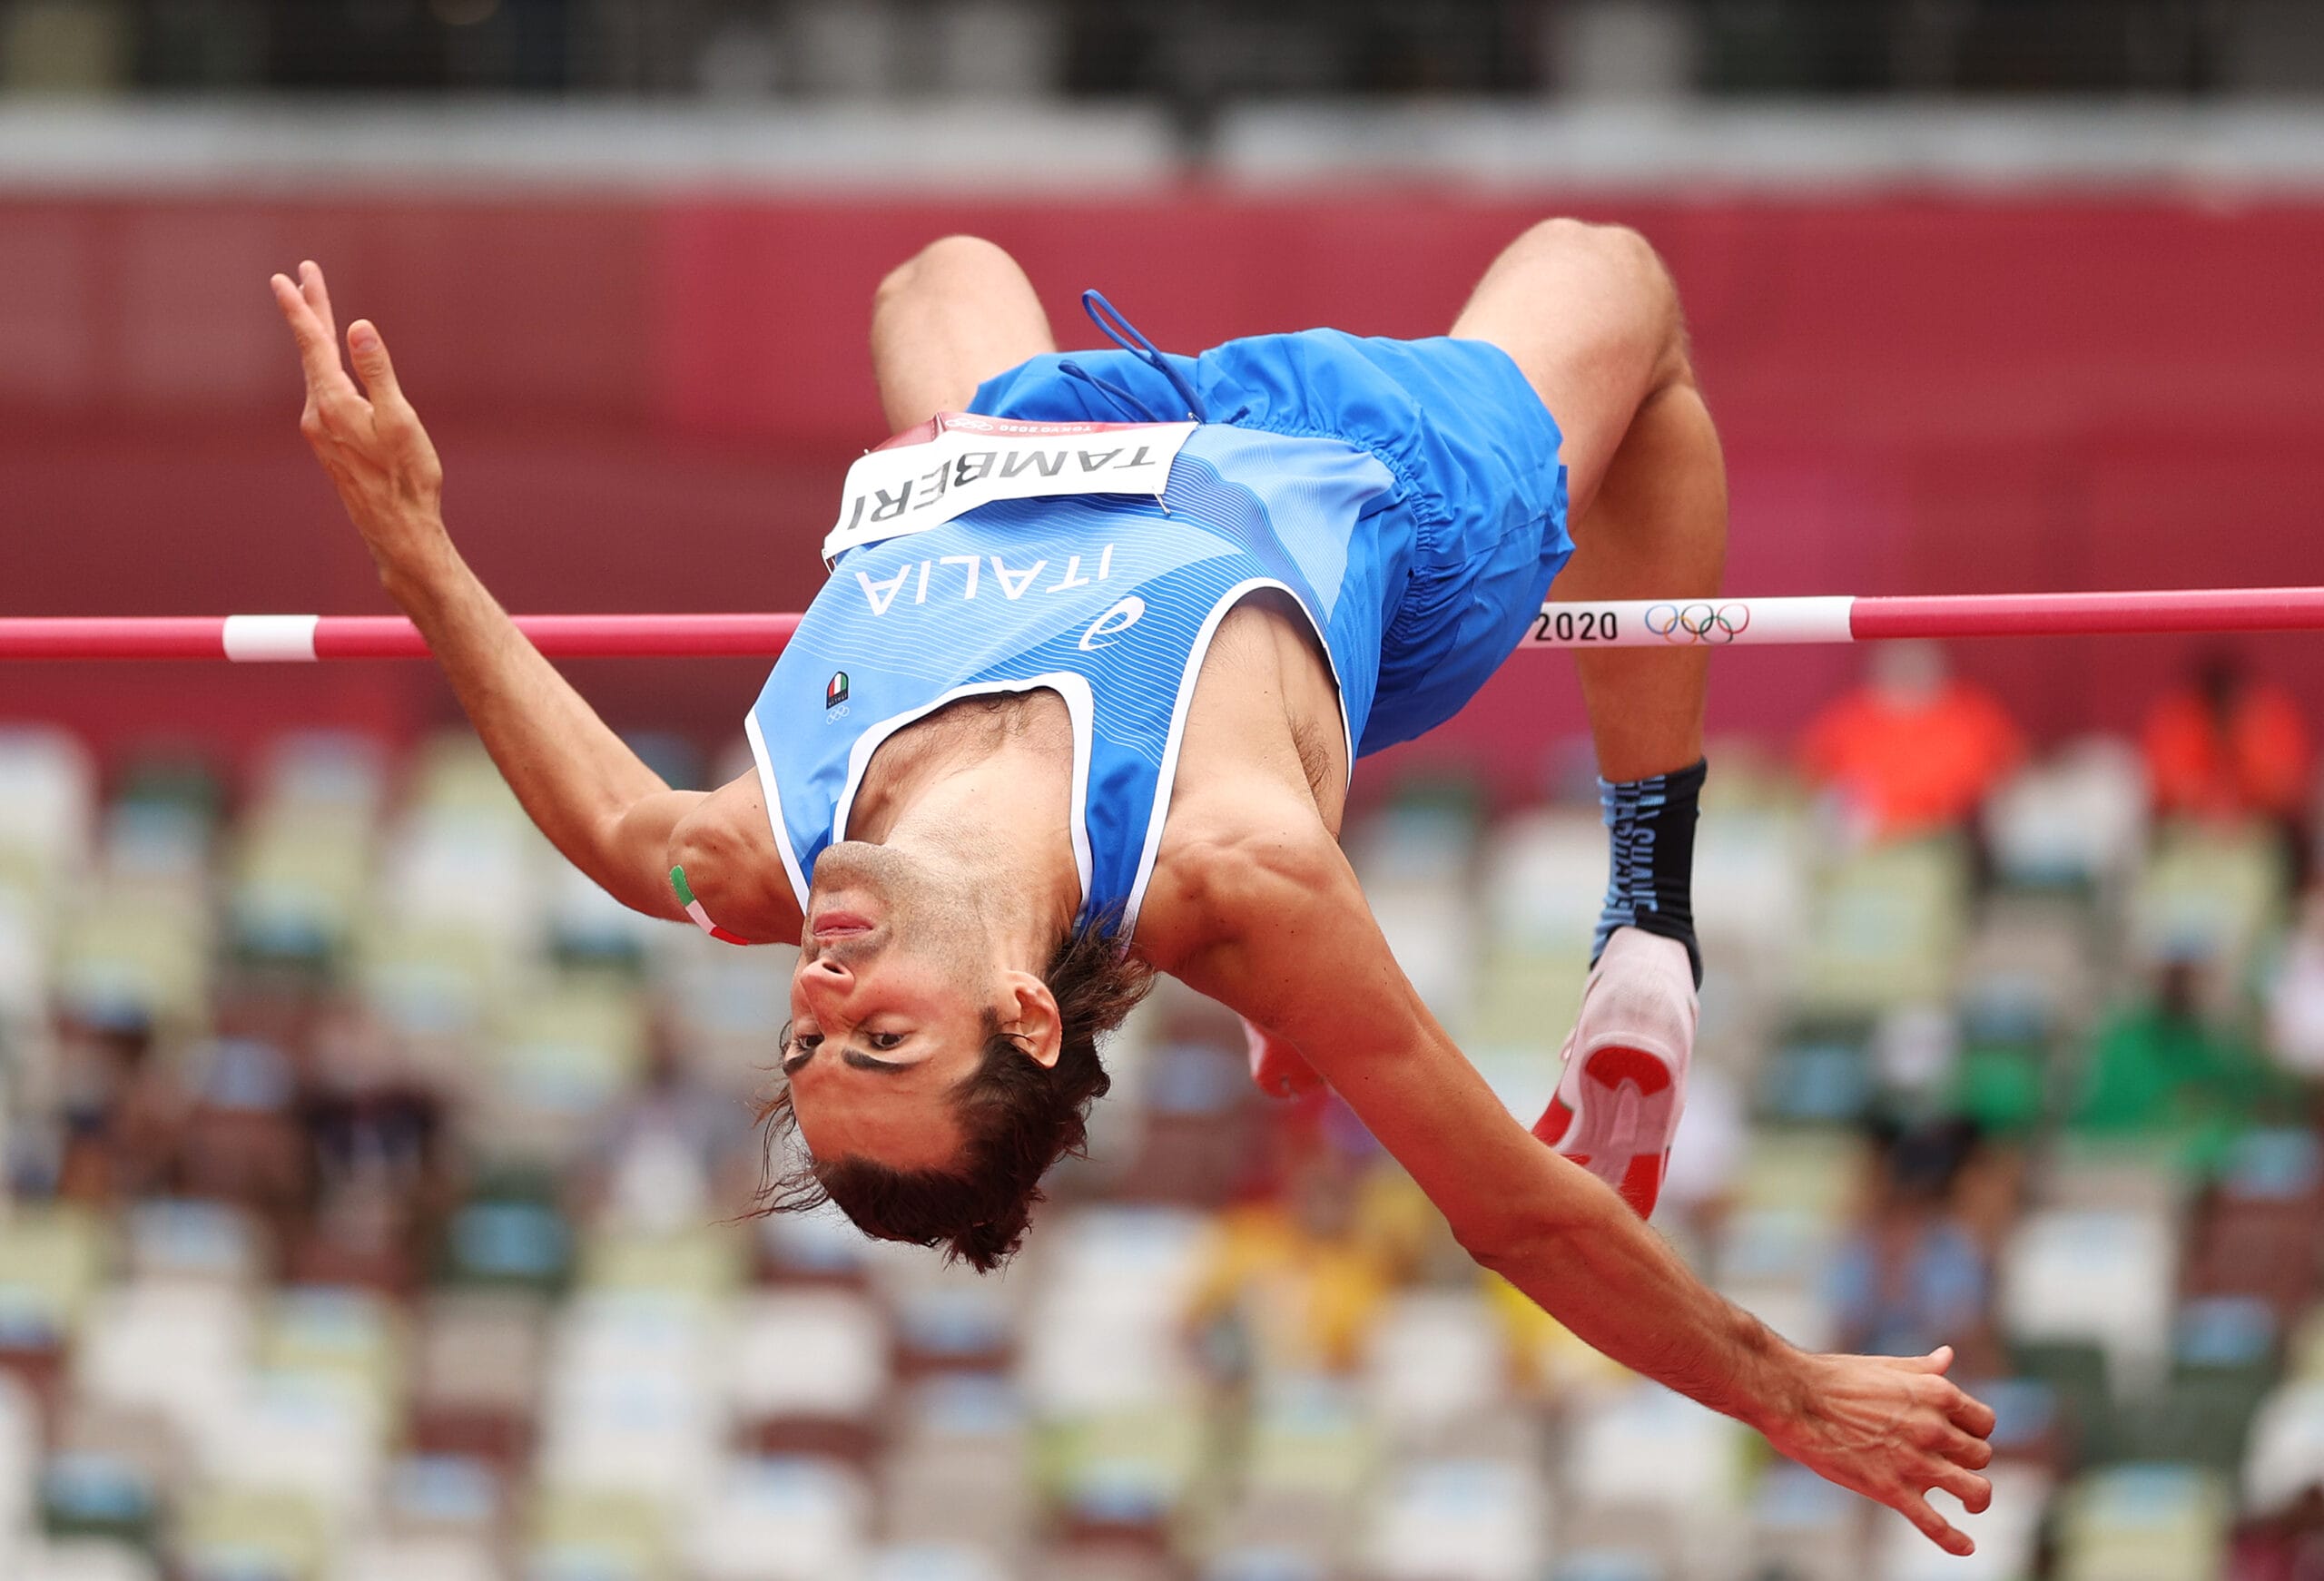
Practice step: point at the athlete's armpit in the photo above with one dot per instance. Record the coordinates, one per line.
(733, 870)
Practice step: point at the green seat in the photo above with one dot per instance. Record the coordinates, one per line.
(2202, 1419)
(2004, 1087)
(2076, 1370)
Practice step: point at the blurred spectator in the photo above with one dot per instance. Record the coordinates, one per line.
(2224, 744)
(2160, 1070)
(377, 1134)
(1291, 1285)
(672, 1152)
(1914, 749)
(242, 1143)
(121, 1112)
(1915, 1274)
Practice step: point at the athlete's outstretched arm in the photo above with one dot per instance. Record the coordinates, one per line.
(1281, 933)
(946, 319)
(610, 814)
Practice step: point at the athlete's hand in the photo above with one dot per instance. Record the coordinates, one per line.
(1892, 1427)
(369, 439)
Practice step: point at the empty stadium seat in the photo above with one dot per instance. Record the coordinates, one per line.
(2143, 1523)
(84, 1559)
(934, 1562)
(1805, 1529)
(2076, 820)
(2100, 1275)
(1433, 1358)
(49, 808)
(183, 1351)
(418, 1559)
(2285, 1454)
(2208, 890)
(1887, 931)
(783, 1519)
(1457, 1520)
(808, 1369)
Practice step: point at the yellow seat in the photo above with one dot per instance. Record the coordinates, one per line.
(230, 1528)
(1887, 931)
(52, 1260)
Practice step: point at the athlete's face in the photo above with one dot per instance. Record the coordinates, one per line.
(897, 979)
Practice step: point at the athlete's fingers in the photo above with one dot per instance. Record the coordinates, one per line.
(318, 294)
(306, 329)
(369, 351)
(1962, 1448)
(1933, 1525)
(1968, 1413)
(318, 352)
(1975, 1492)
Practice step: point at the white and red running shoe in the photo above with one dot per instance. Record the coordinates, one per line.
(1625, 1078)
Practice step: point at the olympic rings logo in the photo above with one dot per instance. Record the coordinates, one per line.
(1683, 623)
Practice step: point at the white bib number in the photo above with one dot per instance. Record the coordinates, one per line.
(912, 483)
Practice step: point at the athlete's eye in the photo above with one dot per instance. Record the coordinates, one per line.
(806, 1042)
(886, 1040)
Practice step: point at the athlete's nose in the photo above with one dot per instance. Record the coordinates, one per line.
(825, 982)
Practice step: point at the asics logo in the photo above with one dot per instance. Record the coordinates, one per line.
(1112, 623)
(1683, 623)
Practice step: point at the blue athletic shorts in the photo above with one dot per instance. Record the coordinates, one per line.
(1473, 452)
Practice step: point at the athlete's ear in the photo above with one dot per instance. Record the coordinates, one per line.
(1030, 1015)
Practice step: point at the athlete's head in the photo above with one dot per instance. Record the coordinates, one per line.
(932, 1078)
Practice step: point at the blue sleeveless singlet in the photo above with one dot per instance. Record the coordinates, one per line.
(1108, 600)
(1407, 495)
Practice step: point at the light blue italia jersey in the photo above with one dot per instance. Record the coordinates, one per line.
(1108, 600)
(1407, 494)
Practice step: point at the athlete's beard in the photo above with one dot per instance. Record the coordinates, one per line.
(923, 908)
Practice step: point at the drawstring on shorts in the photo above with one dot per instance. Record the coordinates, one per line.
(1127, 335)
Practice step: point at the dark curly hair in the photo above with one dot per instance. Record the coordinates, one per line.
(1018, 1116)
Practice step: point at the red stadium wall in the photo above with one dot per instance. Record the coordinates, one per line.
(646, 405)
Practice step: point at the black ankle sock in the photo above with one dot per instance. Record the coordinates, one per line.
(1650, 824)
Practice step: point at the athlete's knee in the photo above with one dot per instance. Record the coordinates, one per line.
(1637, 284)
(947, 262)
(1614, 250)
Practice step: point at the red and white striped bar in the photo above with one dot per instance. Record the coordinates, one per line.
(299, 639)
(1720, 623)
(1635, 624)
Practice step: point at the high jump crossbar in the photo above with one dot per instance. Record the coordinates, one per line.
(1626, 623)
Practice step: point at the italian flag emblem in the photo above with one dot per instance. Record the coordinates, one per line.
(836, 692)
(695, 909)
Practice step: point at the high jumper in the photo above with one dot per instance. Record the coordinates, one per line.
(1079, 702)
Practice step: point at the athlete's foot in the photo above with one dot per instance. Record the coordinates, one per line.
(1625, 1075)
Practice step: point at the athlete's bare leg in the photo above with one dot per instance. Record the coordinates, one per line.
(1591, 315)
(958, 312)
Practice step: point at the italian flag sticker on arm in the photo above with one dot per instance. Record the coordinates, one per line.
(693, 909)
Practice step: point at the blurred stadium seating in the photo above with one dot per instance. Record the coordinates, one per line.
(375, 1189)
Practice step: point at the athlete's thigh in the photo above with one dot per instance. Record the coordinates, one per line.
(1589, 316)
(959, 313)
